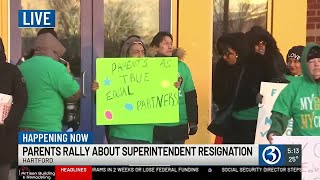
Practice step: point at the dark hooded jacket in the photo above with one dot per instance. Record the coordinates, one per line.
(226, 76)
(272, 53)
(11, 84)
(257, 69)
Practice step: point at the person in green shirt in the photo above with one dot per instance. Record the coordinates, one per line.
(300, 99)
(49, 84)
(176, 133)
(133, 46)
(293, 62)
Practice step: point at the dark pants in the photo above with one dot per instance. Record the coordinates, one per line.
(170, 134)
(4, 171)
(241, 132)
(115, 140)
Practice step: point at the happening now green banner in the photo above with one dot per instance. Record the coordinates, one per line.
(137, 90)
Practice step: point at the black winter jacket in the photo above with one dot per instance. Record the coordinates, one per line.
(11, 83)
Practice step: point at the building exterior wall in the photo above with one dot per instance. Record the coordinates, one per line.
(195, 36)
(4, 21)
(313, 21)
(289, 23)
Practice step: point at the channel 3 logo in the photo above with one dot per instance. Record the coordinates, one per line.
(271, 155)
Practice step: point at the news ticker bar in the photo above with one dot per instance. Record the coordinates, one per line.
(96, 172)
(159, 155)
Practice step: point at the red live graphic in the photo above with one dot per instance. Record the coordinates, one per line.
(73, 172)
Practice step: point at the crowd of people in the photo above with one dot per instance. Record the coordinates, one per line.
(256, 54)
(42, 82)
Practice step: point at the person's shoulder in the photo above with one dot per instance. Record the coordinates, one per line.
(42, 58)
(182, 63)
(221, 63)
(292, 78)
(43, 61)
(258, 56)
(296, 83)
(10, 69)
(9, 66)
(256, 60)
(297, 79)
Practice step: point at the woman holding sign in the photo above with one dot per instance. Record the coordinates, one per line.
(300, 99)
(176, 133)
(133, 46)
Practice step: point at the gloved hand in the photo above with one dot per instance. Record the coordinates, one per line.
(193, 128)
(270, 137)
(259, 98)
(74, 125)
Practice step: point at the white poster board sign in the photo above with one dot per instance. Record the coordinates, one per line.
(270, 92)
(310, 146)
(5, 105)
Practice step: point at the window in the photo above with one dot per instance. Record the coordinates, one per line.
(123, 18)
(67, 28)
(235, 16)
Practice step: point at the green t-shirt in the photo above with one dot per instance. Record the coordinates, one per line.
(48, 83)
(301, 101)
(187, 85)
(142, 132)
(247, 114)
(291, 78)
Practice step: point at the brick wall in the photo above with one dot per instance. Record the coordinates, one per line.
(313, 21)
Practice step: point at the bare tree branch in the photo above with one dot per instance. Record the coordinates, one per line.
(241, 15)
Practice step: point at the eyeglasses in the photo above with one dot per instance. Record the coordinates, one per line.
(261, 43)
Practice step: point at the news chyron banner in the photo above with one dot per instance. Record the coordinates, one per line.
(73, 155)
